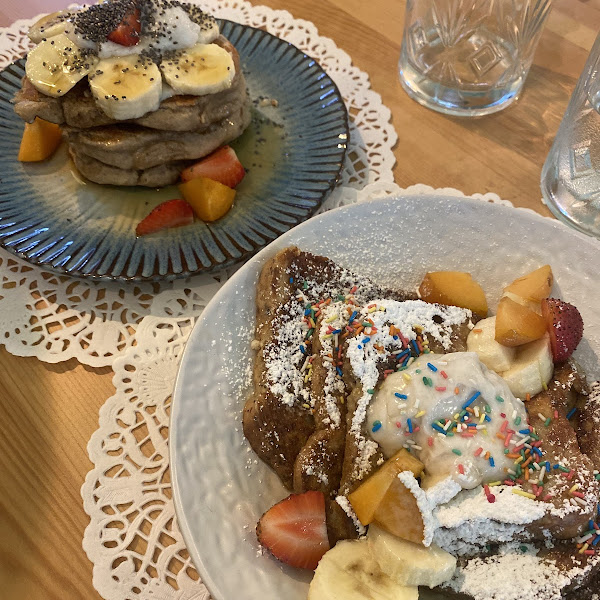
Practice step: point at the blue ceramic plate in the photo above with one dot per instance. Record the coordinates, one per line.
(294, 153)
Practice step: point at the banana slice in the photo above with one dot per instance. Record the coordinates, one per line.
(55, 65)
(201, 69)
(349, 571)
(125, 87)
(531, 370)
(48, 26)
(407, 563)
(492, 354)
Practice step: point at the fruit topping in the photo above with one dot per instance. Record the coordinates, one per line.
(222, 166)
(295, 531)
(55, 65)
(531, 369)
(516, 324)
(126, 87)
(491, 353)
(565, 327)
(201, 69)
(371, 492)
(40, 140)
(407, 563)
(399, 511)
(534, 286)
(128, 31)
(349, 571)
(172, 213)
(454, 288)
(209, 198)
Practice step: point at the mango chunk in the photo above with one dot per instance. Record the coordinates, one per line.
(399, 513)
(516, 324)
(209, 199)
(534, 305)
(366, 498)
(454, 288)
(40, 140)
(534, 286)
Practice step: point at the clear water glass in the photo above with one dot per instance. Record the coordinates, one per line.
(571, 173)
(469, 57)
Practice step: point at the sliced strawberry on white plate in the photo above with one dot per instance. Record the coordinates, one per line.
(222, 165)
(295, 531)
(172, 213)
(128, 31)
(565, 327)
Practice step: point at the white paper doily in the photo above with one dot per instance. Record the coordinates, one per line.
(57, 318)
(133, 539)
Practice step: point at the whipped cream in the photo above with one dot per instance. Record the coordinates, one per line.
(455, 415)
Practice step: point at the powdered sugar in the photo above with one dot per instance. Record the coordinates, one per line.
(364, 351)
(443, 491)
(284, 358)
(469, 521)
(493, 578)
(471, 505)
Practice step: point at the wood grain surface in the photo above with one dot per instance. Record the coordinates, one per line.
(49, 412)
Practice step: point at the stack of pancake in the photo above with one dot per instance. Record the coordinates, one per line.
(150, 150)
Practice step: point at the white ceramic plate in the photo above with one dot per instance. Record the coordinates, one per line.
(220, 488)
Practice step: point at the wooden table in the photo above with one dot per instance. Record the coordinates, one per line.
(49, 412)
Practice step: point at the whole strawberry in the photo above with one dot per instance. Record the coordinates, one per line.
(565, 327)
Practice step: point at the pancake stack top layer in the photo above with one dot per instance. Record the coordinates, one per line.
(137, 110)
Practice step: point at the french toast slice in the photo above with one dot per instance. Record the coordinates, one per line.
(573, 488)
(561, 496)
(588, 426)
(545, 558)
(278, 416)
(524, 572)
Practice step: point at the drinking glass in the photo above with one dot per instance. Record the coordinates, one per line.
(469, 57)
(571, 174)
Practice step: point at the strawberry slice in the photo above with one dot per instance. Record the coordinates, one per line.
(222, 166)
(565, 327)
(294, 530)
(172, 213)
(127, 32)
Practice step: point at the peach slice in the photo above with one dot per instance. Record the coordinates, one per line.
(534, 286)
(399, 513)
(366, 498)
(516, 324)
(454, 288)
(40, 140)
(209, 198)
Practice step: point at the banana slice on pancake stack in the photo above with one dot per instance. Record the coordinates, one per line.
(55, 65)
(126, 87)
(201, 69)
